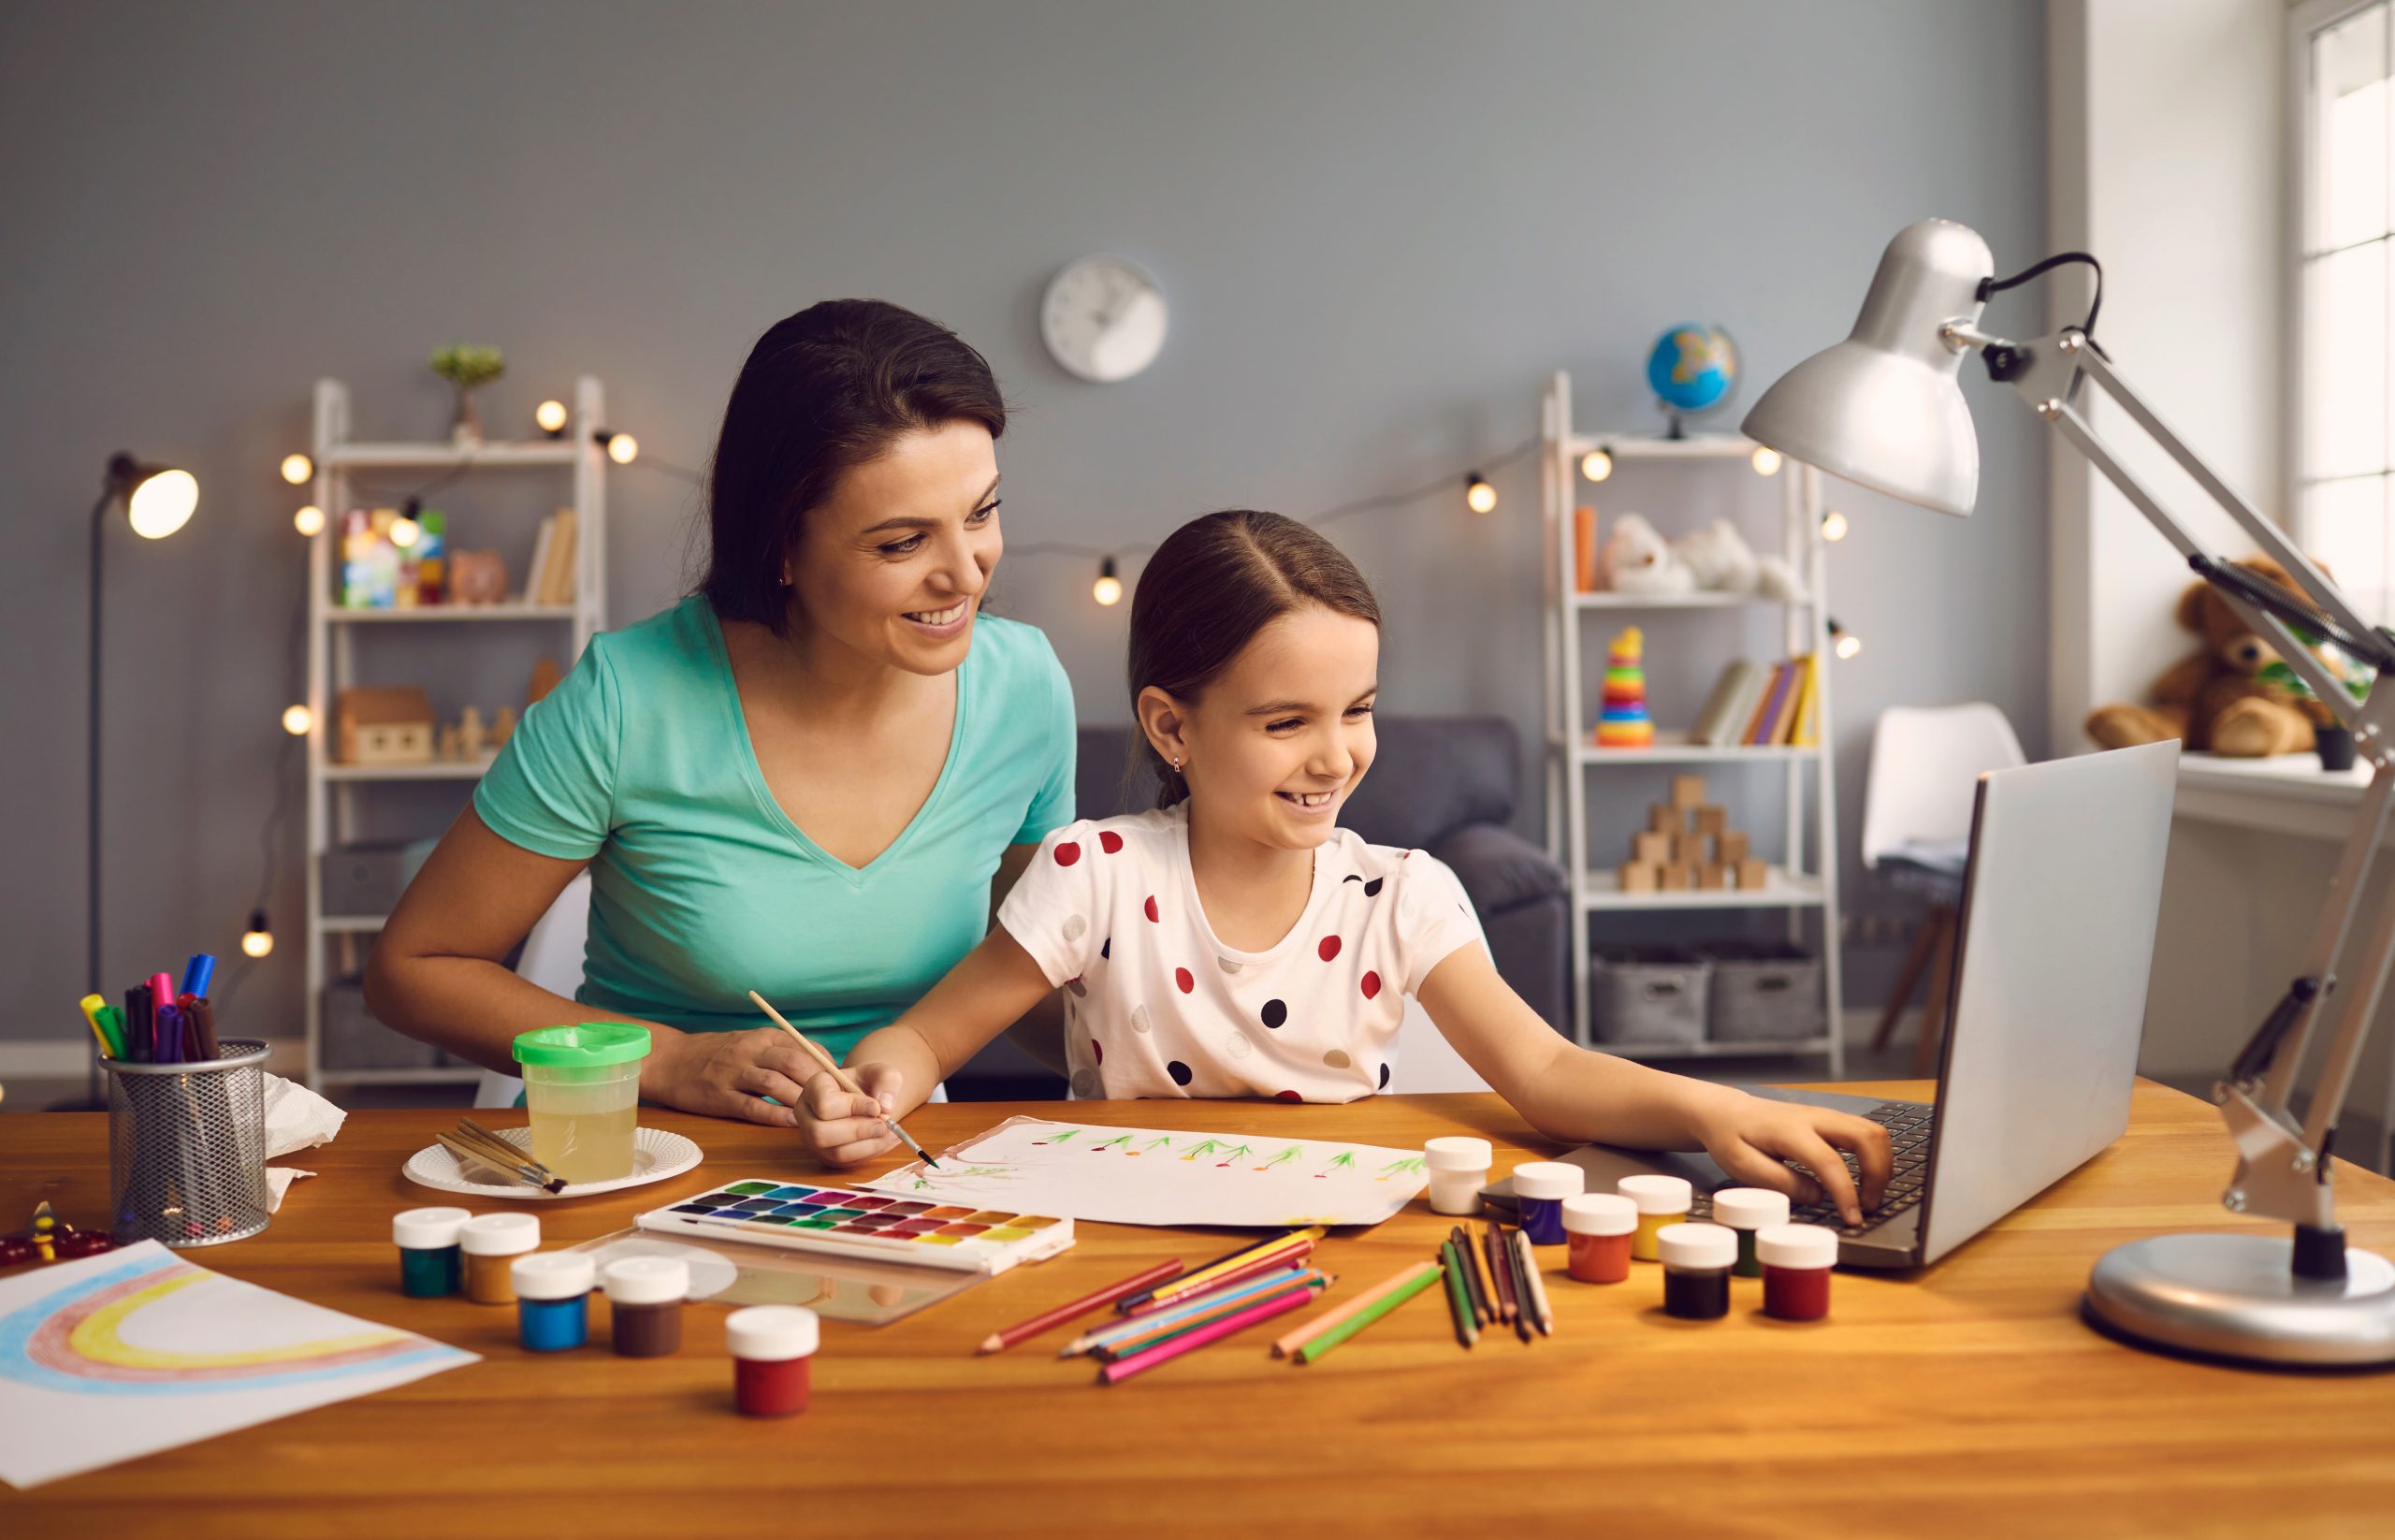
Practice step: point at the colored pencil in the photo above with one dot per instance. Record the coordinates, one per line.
(1133, 1301)
(1476, 1274)
(1509, 1250)
(1467, 1318)
(1138, 1363)
(998, 1342)
(1290, 1341)
(1242, 1259)
(1149, 1321)
(1311, 1285)
(1265, 1262)
(846, 1082)
(1539, 1311)
(1497, 1269)
(1323, 1342)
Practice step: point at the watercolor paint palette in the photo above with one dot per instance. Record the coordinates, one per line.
(844, 1222)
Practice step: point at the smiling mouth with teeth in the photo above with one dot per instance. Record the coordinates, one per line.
(938, 618)
(1308, 799)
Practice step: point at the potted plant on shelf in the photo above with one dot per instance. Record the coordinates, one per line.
(2330, 739)
(465, 367)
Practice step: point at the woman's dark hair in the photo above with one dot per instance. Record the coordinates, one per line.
(1211, 586)
(824, 391)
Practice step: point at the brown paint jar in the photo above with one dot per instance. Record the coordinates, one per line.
(490, 1244)
(645, 1297)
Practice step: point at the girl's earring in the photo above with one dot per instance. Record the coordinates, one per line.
(1176, 764)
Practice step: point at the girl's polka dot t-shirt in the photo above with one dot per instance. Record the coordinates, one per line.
(1156, 1005)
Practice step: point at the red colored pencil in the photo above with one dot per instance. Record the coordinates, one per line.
(998, 1342)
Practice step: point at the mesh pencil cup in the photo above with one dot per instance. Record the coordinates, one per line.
(187, 1147)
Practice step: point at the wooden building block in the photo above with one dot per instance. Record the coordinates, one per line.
(1688, 848)
(1675, 878)
(1651, 849)
(1712, 820)
(1753, 876)
(1688, 792)
(1730, 849)
(1640, 876)
(1664, 819)
(1712, 875)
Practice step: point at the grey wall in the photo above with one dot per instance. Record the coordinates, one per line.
(1380, 224)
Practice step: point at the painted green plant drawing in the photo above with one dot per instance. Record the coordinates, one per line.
(1203, 1147)
(1283, 1158)
(1407, 1167)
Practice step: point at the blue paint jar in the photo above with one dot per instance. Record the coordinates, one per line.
(1541, 1186)
(553, 1298)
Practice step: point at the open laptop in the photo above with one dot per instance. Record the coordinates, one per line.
(2054, 946)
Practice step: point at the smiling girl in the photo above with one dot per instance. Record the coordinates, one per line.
(1237, 942)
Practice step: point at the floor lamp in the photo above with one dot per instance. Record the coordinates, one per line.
(1884, 409)
(157, 501)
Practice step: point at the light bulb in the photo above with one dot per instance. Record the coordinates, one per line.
(1832, 526)
(257, 940)
(1478, 495)
(621, 447)
(551, 416)
(404, 531)
(297, 719)
(1597, 464)
(309, 522)
(162, 504)
(1107, 589)
(1849, 644)
(1766, 460)
(298, 467)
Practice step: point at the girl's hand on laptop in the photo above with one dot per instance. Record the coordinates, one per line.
(1753, 1139)
(842, 1129)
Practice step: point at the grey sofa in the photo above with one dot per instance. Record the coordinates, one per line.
(1442, 784)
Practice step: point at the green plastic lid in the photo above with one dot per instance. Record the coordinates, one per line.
(584, 1047)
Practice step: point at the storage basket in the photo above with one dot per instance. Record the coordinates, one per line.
(1647, 995)
(1763, 992)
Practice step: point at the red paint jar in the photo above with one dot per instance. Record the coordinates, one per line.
(1598, 1227)
(772, 1347)
(1796, 1261)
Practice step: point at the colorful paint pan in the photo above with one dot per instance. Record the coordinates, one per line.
(861, 1224)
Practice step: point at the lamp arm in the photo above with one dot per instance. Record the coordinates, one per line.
(2283, 1170)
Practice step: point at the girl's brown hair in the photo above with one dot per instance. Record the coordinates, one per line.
(824, 391)
(1211, 586)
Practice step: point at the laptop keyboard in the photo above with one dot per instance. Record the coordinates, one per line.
(1909, 1125)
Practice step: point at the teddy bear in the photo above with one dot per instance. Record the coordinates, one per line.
(1715, 559)
(2214, 699)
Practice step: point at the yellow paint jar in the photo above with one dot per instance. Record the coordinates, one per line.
(1661, 1200)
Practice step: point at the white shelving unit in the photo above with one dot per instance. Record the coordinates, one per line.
(1802, 883)
(334, 790)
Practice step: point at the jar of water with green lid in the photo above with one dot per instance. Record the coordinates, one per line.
(582, 1089)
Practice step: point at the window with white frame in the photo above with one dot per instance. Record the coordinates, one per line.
(2345, 440)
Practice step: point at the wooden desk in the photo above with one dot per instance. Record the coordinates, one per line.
(1968, 1400)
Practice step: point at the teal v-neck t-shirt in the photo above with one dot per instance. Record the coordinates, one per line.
(703, 889)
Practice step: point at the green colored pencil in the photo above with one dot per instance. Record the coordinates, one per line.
(1325, 1341)
(1467, 1318)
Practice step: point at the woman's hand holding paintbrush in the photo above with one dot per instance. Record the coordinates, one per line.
(842, 1116)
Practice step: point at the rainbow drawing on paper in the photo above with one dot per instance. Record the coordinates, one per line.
(137, 1350)
(1166, 1176)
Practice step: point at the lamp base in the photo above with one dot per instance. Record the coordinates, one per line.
(2238, 1297)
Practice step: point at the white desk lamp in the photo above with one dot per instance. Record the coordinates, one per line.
(1883, 409)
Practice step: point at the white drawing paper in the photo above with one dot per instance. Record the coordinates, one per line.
(1166, 1176)
(132, 1351)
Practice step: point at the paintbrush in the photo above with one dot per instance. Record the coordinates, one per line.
(486, 1148)
(846, 1082)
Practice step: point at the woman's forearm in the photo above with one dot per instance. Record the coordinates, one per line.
(475, 1007)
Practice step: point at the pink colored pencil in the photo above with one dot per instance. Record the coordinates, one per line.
(1294, 1340)
(1122, 1369)
(1265, 1262)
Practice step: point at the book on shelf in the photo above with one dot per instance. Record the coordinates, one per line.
(550, 579)
(1766, 712)
(1805, 727)
(1731, 703)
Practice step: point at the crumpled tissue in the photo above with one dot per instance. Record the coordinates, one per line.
(296, 1118)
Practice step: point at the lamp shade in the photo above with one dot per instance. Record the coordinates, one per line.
(1883, 409)
(158, 498)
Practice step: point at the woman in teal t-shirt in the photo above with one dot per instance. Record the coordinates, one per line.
(811, 778)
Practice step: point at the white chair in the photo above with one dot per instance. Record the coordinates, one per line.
(1425, 1061)
(1925, 766)
(552, 959)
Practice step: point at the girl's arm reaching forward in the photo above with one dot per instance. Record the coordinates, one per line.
(899, 1064)
(1572, 1095)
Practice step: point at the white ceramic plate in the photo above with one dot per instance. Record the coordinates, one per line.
(656, 1156)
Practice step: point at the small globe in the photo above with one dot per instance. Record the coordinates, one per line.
(1693, 367)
